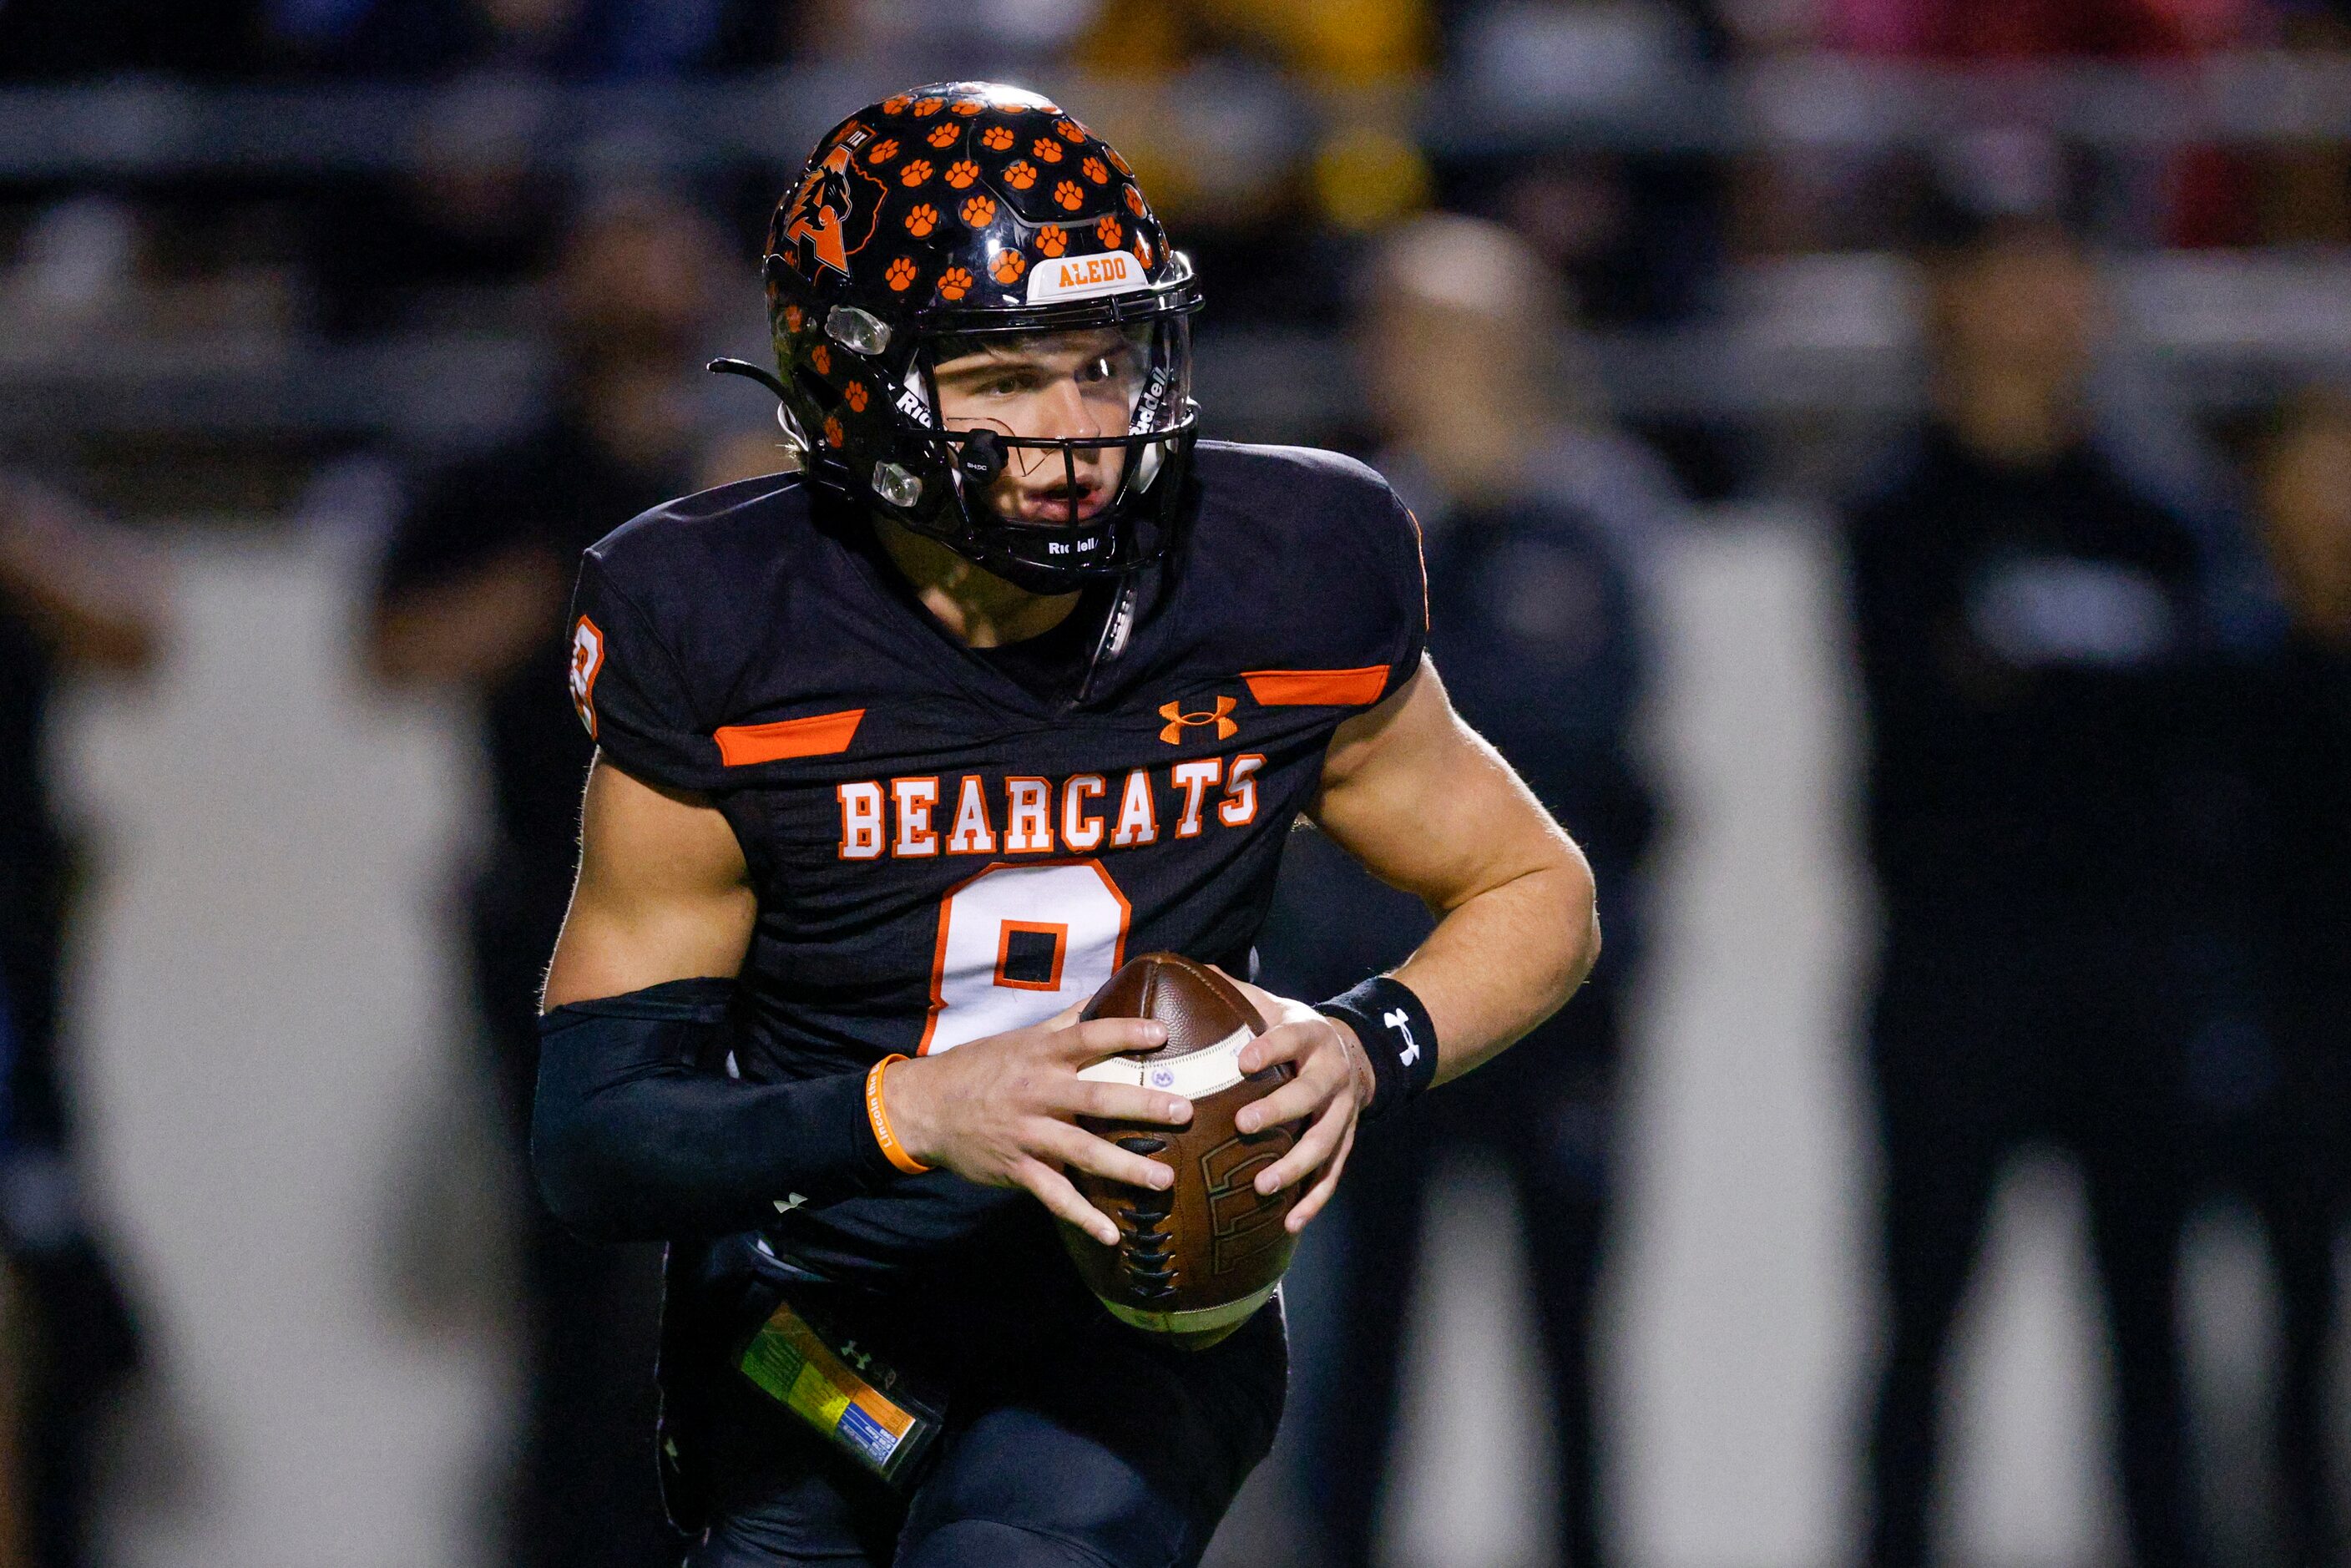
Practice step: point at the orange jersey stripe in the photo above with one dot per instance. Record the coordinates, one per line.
(1317, 688)
(820, 734)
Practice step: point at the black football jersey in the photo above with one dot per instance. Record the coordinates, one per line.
(944, 851)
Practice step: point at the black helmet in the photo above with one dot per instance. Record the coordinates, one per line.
(964, 211)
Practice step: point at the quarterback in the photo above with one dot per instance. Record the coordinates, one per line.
(900, 756)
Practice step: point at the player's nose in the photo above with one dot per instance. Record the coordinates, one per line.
(1067, 414)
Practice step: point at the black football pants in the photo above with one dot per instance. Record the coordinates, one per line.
(1085, 1447)
(1540, 1111)
(1981, 1047)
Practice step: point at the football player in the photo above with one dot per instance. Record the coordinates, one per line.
(900, 756)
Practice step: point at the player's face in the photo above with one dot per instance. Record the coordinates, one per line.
(1080, 385)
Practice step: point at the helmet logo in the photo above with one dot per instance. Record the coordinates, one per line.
(816, 231)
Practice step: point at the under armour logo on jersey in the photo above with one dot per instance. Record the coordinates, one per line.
(1178, 721)
(587, 659)
(1399, 1020)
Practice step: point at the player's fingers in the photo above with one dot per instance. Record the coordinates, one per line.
(1310, 1204)
(1125, 1103)
(1075, 1146)
(1097, 1038)
(1320, 1078)
(1285, 1042)
(1295, 1101)
(1052, 1189)
(1314, 1146)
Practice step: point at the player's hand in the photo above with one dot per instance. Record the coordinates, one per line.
(1334, 1082)
(1002, 1111)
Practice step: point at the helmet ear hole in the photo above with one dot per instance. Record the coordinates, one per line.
(813, 387)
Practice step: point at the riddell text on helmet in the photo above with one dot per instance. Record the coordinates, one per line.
(930, 814)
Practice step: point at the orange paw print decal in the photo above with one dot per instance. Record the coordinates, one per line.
(966, 106)
(926, 107)
(978, 212)
(1010, 265)
(1096, 170)
(942, 135)
(900, 275)
(996, 138)
(882, 152)
(1045, 150)
(922, 220)
(1070, 130)
(1020, 174)
(833, 434)
(1118, 162)
(1108, 231)
(1142, 250)
(915, 172)
(792, 318)
(1135, 201)
(856, 397)
(895, 104)
(822, 358)
(1051, 241)
(954, 283)
(962, 173)
(1070, 194)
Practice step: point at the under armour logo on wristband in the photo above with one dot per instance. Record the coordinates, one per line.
(1398, 1020)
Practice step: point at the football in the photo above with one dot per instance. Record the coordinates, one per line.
(1192, 1263)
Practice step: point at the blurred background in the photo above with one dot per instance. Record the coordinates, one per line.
(1886, 466)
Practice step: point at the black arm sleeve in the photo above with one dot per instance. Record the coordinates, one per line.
(634, 1139)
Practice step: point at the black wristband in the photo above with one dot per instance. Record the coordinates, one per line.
(1398, 1036)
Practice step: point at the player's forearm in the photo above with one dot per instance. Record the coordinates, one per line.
(632, 1140)
(1505, 959)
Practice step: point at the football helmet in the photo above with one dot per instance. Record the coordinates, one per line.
(936, 220)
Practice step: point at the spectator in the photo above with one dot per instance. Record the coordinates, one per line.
(2032, 660)
(592, 40)
(73, 596)
(2297, 720)
(1534, 518)
(472, 596)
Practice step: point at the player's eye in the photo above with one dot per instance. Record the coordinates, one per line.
(1102, 368)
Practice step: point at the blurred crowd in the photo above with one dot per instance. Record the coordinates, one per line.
(2107, 687)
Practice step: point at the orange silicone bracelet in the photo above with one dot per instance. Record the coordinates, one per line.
(892, 1149)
